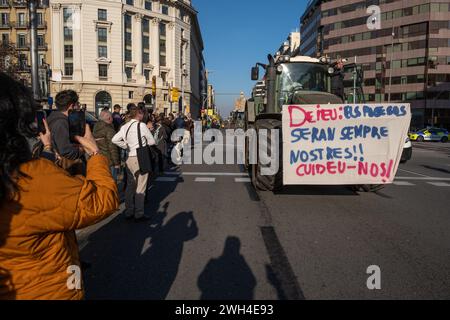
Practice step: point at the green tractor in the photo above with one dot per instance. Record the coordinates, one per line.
(287, 80)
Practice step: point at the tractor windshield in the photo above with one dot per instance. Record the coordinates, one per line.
(303, 77)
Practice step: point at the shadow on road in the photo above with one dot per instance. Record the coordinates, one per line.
(317, 191)
(437, 169)
(228, 277)
(137, 260)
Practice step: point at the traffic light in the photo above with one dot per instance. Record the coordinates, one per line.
(154, 86)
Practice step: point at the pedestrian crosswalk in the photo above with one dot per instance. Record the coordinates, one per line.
(240, 177)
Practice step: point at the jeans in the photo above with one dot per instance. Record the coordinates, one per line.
(114, 173)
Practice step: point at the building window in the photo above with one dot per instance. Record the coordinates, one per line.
(162, 44)
(128, 55)
(164, 77)
(127, 21)
(162, 29)
(145, 42)
(4, 19)
(68, 69)
(40, 19)
(40, 40)
(129, 73)
(147, 75)
(102, 15)
(396, 64)
(102, 35)
(21, 19)
(130, 94)
(5, 38)
(165, 9)
(145, 26)
(128, 41)
(130, 2)
(41, 59)
(23, 61)
(148, 5)
(102, 51)
(68, 51)
(145, 57)
(103, 71)
(68, 35)
(21, 41)
(67, 15)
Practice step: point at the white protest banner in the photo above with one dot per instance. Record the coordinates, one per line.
(343, 144)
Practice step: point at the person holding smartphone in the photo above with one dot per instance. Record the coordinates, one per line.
(41, 206)
(66, 148)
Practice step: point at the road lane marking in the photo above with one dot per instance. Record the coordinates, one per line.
(238, 174)
(403, 183)
(419, 174)
(166, 179)
(423, 179)
(205, 179)
(242, 180)
(146, 246)
(439, 184)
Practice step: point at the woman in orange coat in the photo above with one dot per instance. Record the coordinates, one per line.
(41, 206)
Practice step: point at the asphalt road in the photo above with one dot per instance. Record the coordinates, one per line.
(213, 236)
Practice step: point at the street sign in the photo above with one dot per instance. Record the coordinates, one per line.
(175, 94)
(50, 101)
(154, 86)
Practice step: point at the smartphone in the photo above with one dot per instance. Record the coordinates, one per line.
(77, 124)
(40, 116)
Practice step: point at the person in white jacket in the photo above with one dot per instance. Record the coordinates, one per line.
(127, 138)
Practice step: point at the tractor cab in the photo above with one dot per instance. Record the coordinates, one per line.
(294, 80)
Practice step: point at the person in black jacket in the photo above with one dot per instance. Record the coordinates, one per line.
(59, 125)
(337, 80)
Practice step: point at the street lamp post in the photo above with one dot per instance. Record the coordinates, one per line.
(391, 64)
(183, 75)
(32, 6)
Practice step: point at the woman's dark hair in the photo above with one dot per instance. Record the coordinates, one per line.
(17, 114)
(133, 111)
(141, 105)
(130, 105)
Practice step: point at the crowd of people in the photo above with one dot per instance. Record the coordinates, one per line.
(52, 184)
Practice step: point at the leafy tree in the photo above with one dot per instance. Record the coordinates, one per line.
(9, 62)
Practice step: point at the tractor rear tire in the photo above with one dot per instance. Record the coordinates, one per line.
(370, 187)
(268, 182)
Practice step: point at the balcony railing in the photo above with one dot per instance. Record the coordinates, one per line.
(23, 46)
(43, 47)
(19, 3)
(21, 24)
(42, 25)
(5, 25)
(5, 4)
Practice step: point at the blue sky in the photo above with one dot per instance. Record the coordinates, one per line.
(239, 33)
